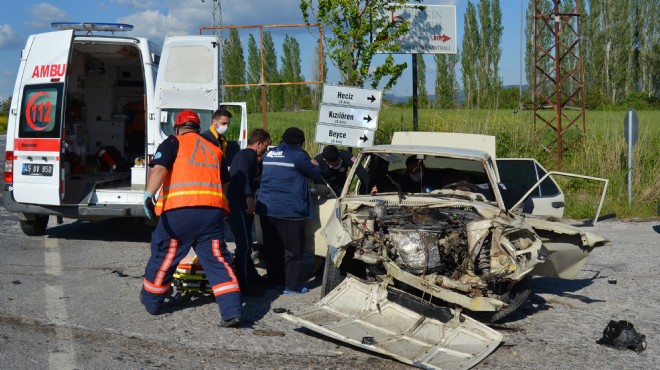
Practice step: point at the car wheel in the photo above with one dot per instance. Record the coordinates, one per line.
(514, 298)
(35, 227)
(333, 275)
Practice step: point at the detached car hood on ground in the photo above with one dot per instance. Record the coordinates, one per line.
(365, 315)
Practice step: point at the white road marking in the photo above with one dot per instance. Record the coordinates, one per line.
(61, 354)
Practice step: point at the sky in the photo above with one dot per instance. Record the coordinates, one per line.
(157, 19)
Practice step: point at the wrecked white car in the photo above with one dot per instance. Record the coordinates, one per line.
(458, 241)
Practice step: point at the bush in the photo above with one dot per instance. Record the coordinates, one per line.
(638, 101)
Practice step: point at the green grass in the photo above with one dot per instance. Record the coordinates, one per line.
(3, 125)
(602, 153)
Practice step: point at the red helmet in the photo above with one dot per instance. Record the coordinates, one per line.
(187, 117)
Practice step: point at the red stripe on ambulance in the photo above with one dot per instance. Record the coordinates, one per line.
(37, 145)
(49, 70)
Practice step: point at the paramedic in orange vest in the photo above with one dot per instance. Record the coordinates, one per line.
(191, 206)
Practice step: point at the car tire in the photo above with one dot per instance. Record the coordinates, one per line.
(35, 227)
(514, 298)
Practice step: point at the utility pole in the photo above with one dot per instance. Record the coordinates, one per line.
(558, 77)
(217, 23)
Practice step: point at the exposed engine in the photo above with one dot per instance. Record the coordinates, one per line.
(453, 248)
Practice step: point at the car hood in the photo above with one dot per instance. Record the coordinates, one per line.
(366, 315)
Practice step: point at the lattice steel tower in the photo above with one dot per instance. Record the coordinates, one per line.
(558, 88)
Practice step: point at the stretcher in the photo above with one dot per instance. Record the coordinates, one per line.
(189, 277)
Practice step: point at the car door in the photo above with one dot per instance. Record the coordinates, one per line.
(548, 198)
(38, 175)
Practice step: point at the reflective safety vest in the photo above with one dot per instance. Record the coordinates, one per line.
(194, 179)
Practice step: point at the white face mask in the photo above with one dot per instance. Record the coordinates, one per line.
(416, 177)
(222, 129)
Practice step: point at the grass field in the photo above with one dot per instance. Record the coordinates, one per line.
(602, 153)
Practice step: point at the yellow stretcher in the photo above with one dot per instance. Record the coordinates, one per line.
(190, 277)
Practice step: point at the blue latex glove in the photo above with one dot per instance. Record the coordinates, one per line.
(149, 205)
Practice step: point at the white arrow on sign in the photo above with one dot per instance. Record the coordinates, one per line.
(344, 136)
(351, 96)
(347, 116)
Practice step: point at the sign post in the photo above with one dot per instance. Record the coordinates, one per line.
(432, 31)
(630, 130)
(348, 116)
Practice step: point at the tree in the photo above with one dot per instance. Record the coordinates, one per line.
(496, 50)
(422, 95)
(253, 76)
(446, 85)
(469, 56)
(484, 55)
(4, 107)
(291, 72)
(351, 47)
(271, 74)
(649, 48)
(234, 67)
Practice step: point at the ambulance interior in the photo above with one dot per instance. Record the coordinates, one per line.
(105, 118)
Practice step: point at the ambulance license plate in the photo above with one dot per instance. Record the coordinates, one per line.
(37, 169)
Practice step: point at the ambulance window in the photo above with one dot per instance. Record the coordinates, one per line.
(41, 111)
(205, 117)
(190, 64)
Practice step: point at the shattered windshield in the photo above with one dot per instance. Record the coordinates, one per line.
(408, 173)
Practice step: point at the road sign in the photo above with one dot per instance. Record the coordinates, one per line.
(432, 29)
(347, 116)
(344, 136)
(631, 127)
(351, 96)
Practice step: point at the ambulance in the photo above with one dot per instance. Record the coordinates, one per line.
(89, 108)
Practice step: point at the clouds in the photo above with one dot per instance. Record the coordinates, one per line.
(9, 38)
(43, 14)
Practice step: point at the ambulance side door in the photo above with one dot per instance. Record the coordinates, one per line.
(187, 78)
(40, 115)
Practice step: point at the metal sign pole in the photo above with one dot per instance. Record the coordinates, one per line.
(414, 90)
(630, 152)
(630, 130)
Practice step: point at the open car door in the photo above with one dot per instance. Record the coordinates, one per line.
(548, 198)
(394, 323)
(39, 136)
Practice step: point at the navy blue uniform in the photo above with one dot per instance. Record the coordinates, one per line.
(336, 176)
(285, 201)
(243, 172)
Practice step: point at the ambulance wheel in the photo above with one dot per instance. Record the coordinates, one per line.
(35, 227)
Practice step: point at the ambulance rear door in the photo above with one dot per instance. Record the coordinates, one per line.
(187, 79)
(39, 114)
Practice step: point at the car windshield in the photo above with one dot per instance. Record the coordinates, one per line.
(415, 174)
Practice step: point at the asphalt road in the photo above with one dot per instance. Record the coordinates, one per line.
(69, 300)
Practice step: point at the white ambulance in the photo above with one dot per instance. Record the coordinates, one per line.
(88, 111)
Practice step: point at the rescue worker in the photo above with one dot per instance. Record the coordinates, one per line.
(218, 128)
(334, 164)
(241, 194)
(191, 207)
(284, 202)
(217, 135)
